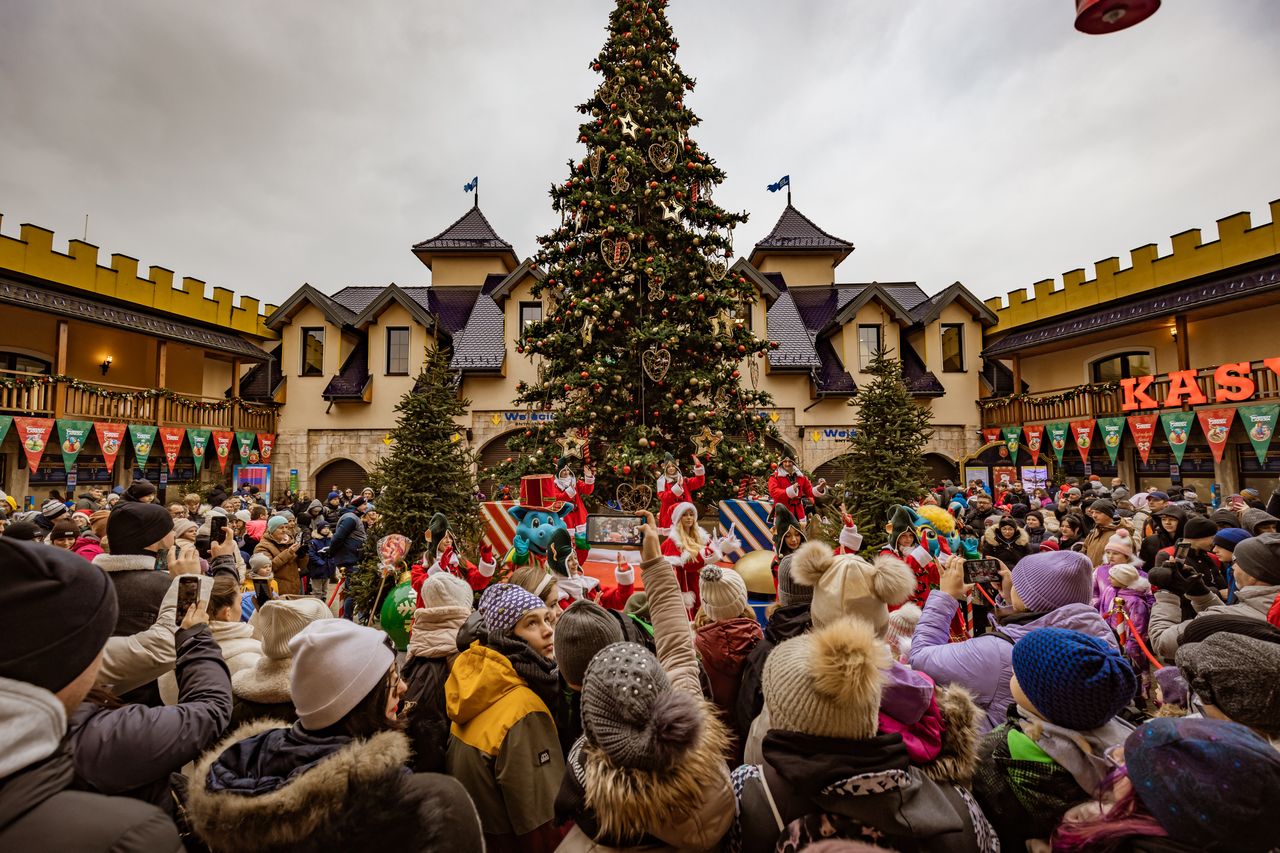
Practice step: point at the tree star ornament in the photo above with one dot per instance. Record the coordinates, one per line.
(628, 125)
(706, 442)
(671, 210)
(571, 444)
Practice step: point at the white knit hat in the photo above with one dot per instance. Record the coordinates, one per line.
(279, 621)
(848, 585)
(1125, 574)
(724, 593)
(1121, 542)
(336, 664)
(445, 590)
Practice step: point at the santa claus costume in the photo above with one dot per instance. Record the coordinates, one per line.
(688, 548)
(574, 584)
(790, 487)
(674, 488)
(569, 489)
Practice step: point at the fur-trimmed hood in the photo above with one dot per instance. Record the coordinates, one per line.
(126, 562)
(958, 759)
(993, 540)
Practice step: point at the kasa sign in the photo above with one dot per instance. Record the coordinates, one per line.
(1233, 383)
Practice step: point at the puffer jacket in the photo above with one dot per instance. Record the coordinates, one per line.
(1166, 625)
(287, 565)
(723, 648)
(984, 664)
(348, 538)
(1007, 551)
(240, 650)
(433, 644)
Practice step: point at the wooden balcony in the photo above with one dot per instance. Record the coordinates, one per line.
(1039, 406)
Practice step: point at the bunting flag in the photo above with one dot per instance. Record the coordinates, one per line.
(1035, 438)
(1011, 434)
(1112, 430)
(990, 435)
(142, 437)
(199, 440)
(171, 441)
(222, 442)
(1216, 424)
(244, 442)
(1143, 428)
(71, 437)
(266, 443)
(5, 420)
(1259, 422)
(33, 435)
(110, 439)
(1082, 432)
(1058, 438)
(1177, 428)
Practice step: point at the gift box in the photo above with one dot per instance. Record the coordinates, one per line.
(499, 526)
(750, 523)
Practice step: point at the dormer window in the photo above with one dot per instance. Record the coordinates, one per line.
(868, 345)
(312, 351)
(953, 348)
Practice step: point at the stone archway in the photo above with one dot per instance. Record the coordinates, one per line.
(342, 472)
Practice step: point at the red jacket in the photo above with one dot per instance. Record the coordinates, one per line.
(581, 488)
(780, 488)
(477, 577)
(671, 495)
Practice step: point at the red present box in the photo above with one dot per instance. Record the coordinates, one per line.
(499, 526)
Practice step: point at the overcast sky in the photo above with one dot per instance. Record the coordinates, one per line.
(260, 145)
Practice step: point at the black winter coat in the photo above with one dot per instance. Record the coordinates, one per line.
(788, 621)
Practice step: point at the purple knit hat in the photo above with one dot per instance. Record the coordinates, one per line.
(1050, 579)
(503, 605)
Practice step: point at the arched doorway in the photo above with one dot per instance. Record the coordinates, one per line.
(496, 451)
(941, 468)
(342, 473)
(834, 470)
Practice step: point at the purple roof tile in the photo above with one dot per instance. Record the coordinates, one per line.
(831, 377)
(352, 379)
(794, 230)
(471, 232)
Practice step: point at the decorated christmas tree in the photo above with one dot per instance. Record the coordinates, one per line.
(643, 351)
(886, 452)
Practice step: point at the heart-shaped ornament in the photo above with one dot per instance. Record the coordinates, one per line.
(663, 156)
(718, 269)
(632, 498)
(594, 162)
(656, 362)
(616, 253)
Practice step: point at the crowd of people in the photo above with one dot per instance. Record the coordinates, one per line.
(183, 677)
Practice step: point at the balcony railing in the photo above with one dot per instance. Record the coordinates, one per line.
(21, 400)
(1070, 404)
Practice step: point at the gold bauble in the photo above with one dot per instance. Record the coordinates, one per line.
(755, 568)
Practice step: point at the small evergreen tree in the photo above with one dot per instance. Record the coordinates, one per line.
(886, 452)
(428, 470)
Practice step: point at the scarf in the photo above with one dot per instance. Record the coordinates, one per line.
(1082, 754)
(539, 673)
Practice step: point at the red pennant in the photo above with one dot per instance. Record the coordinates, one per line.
(1082, 431)
(1035, 438)
(990, 435)
(171, 440)
(1143, 428)
(222, 444)
(33, 435)
(266, 443)
(1216, 424)
(110, 439)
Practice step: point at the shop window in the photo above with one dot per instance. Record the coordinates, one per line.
(1121, 365)
(398, 351)
(530, 313)
(312, 351)
(868, 345)
(953, 348)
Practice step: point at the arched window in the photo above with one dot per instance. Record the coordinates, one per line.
(1121, 365)
(23, 363)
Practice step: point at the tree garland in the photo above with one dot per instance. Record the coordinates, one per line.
(145, 394)
(1050, 399)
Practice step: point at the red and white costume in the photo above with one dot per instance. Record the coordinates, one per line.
(448, 560)
(672, 493)
(790, 494)
(569, 489)
(584, 586)
(688, 565)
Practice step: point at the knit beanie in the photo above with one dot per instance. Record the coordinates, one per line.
(64, 527)
(446, 590)
(1104, 506)
(723, 592)
(333, 496)
(1238, 674)
(630, 712)
(243, 515)
(182, 526)
(275, 522)
(22, 531)
(279, 621)
(1122, 542)
(1211, 784)
(827, 682)
(583, 630)
(336, 664)
(134, 526)
(637, 605)
(1199, 527)
(98, 522)
(59, 613)
(1203, 627)
(901, 628)
(848, 585)
(1173, 687)
(1230, 537)
(1074, 680)
(1224, 518)
(260, 566)
(1259, 557)
(138, 490)
(1124, 574)
(791, 591)
(1050, 579)
(53, 509)
(503, 605)
(1050, 544)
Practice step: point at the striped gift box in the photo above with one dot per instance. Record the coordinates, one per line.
(749, 520)
(499, 526)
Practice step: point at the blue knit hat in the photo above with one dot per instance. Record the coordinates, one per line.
(1230, 537)
(1210, 783)
(1074, 680)
(504, 604)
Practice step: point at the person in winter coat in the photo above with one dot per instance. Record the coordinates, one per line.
(236, 639)
(1128, 612)
(1007, 542)
(1182, 791)
(649, 771)
(828, 771)
(336, 779)
(1106, 521)
(725, 633)
(1168, 523)
(261, 691)
(140, 535)
(321, 568)
(1234, 677)
(1071, 533)
(1051, 589)
(288, 556)
(1036, 532)
(503, 746)
(790, 487)
(674, 488)
(688, 547)
(433, 645)
(348, 535)
(575, 585)
(1051, 753)
(64, 534)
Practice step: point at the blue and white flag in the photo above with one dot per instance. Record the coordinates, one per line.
(784, 181)
(472, 185)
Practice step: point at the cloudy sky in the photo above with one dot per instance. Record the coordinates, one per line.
(259, 145)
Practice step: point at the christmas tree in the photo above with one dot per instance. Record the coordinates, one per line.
(428, 470)
(886, 452)
(644, 343)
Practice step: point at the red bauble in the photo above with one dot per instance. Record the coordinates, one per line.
(626, 469)
(585, 375)
(736, 374)
(742, 348)
(701, 297)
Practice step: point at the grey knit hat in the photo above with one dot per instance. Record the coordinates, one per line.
(1260, 557)
(631, 713)
(790, 590)
(1239, 675)
(583, 630)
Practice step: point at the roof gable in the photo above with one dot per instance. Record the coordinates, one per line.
(335, 312)
(470, 233)
(795, 232)
(770, 285)
(499, 291)
(389, 294)
(880, 294)
(927, 312)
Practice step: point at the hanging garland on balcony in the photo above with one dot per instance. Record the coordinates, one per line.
(1050, 399)
(144, 394)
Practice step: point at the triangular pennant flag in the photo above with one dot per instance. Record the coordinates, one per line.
(1112, 430)
(990, 435)
(1058, 438)
(33, 435)
(71, 437)
(199, 440)
(171, 440)
(244, 442)
(222, 442)
(266, 443)
(143, 438)
(1143, 428)
(110, 439)
(5, 420)
(1082, 432)
(1259, 422)
(1035, 440)
(1177, 428)
(1011, 434)
(1216, 424)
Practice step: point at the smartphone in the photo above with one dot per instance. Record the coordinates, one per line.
(188, 594)
(618, 531)
(217, 524)
(1181, 550)
(982, 571)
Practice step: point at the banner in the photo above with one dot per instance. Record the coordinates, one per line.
(1143, 428)
(1057, 439)
(1035, 438)
(1177, 428)
(143, 437)
(1259, 422)
(1082, 432)
(266, 443)
(222, 442)
(171, 441)
(71, 436)
(244, 441)
(199, 440)
(1011, 434)
(5, 420)
(990, 434)
(33, 435)
(1216, 424)
(1112, 430)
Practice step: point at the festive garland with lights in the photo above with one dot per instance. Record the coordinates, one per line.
(1051, 399)
(145, 394)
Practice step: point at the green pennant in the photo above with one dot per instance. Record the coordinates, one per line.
(142, 438)
(1112, 430)
(5, 421)
(71, 436)
(1259, 422)
(1058, 438)
(1177, 428)
(1011, 434)
(244, 442)
(199, 440)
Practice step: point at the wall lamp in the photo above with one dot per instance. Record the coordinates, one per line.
(106, 364)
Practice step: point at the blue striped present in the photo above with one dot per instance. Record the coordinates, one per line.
(750, 523)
